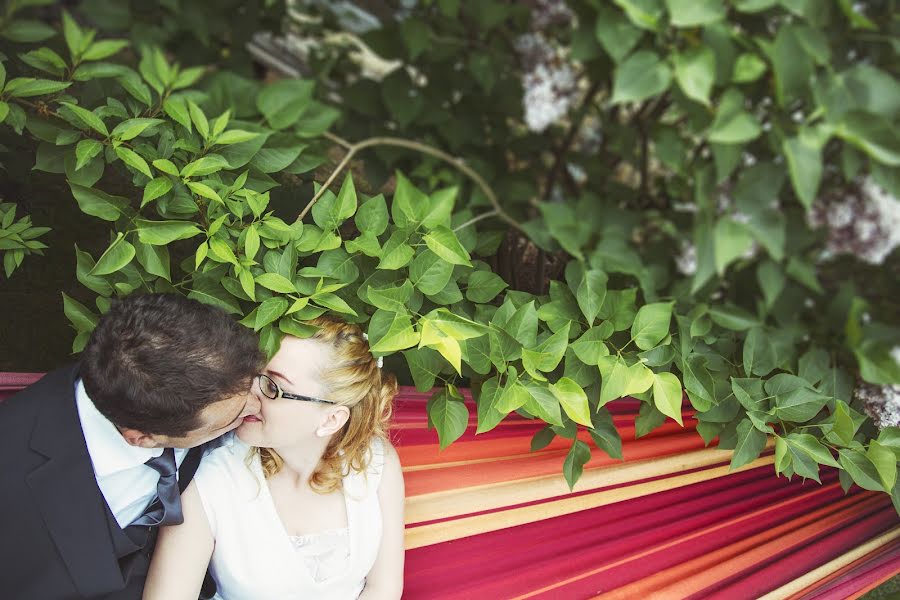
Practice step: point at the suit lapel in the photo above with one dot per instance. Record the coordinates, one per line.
(66, 493)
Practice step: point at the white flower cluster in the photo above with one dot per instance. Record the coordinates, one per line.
(863, 221)
(882, 403)
(549, 81)
(547, 13)
(686, 260)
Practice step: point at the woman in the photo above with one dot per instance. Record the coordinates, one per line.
(307, 500)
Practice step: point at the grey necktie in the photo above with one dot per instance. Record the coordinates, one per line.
(166, 508)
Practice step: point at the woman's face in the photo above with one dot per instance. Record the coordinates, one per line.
(296, 369)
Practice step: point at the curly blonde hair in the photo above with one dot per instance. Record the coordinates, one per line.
(353, 379)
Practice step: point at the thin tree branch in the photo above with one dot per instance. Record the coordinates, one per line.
(473, 220)
(354, 149)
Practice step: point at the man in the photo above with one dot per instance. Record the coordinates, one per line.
(88, 454)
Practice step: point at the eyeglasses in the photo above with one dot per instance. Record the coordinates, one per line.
(272, 390)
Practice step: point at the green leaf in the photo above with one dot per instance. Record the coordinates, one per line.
(799, 405)
(410, 205)
(133, 159)
(759, 356)
(85, 151)
(618, 308)
(43, 59)
(814, 365)
(439, 209)
(79, 315)
(591, 294)
(115, 258)
(86, 119)
(188, 77)
(542, 438)
(542, 403)
(804, 158)
(861, 469)
(733, 317)
(75, 38)
(667, 395)
(203, 190)
(211, 163)
(573, 400)
(154, 259)
(731, 241)
(270, 311)
(547, 355)
(647, 420)
(750, 444)
(235, 136)
(177, 109)
(489, 415)
(430, 273)
(27, 87)
(104, 49)
(98, 204)
(26, 31)
(885, 463)
(166, 166)
(199, 119)
(809, 445)
(589, 348)
(641, 76)
(335, 303)
(579, 454)
(391, 332)
(615, 33)
(792, 65)
(433, 335)
(283, 102)
(396, 252)
(694, 13)
(160, 233)
(643, 13)
(443, 242)
(372, 216)
(209, 291)
(620, 380)
(449, 416)
(605, 434)
(425, 366)
(843, 428)
(748, 68)
(695, 72)
(159, 186)
(276, 283)
(873, 134)
(651, 324)
(733, 124)
(483, 286)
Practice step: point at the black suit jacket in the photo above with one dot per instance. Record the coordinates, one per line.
(55, 541)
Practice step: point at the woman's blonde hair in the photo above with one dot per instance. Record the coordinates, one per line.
(352, 379)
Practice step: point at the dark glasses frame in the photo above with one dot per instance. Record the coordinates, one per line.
(280, 393)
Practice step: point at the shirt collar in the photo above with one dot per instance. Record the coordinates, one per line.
(109, 451)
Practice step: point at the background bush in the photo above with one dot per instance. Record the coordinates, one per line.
(556, 204)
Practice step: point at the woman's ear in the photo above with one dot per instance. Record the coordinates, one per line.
(335, 418)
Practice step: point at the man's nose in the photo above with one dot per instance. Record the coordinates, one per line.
(253, 404)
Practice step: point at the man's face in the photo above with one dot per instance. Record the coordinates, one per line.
(216, 419)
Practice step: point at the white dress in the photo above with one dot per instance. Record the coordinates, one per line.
(255, 558)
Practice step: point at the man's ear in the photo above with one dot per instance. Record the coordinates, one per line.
(334, 419)
(139, 438)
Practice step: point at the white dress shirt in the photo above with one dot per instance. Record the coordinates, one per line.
(127, 484)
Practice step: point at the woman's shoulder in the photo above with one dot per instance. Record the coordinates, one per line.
(223, 459)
